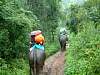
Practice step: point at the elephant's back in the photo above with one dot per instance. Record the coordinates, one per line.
(40, 55)
(37, 55)
(62, 37)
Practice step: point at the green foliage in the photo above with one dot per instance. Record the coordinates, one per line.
(16, 67)
(48, 14)
(84, 52)
(88, 11)
(15, 25)
(83, 55)
(16, 22)
(51, 48)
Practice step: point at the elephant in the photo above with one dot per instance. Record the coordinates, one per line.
(62, 39)
(36, 61)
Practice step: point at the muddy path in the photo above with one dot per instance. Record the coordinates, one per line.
(54, 65)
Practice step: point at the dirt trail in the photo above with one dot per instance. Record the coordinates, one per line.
(54, 65)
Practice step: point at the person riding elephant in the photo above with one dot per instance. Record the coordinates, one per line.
(36, 38)
(33, 34)
(37, 52)
(63, 38)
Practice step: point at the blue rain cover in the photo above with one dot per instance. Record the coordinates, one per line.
(37, 46)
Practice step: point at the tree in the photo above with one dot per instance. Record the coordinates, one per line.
(48, 14)
(15, 25)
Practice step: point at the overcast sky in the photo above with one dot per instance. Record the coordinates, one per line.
(66, 3)
(74, 1)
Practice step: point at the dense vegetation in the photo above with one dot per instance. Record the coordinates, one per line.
(83, 54)
(15, 25)
(19, 17)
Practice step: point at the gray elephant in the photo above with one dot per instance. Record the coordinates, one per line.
(36, 61)
(63, 38)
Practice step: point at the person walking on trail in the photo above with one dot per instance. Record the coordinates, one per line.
(37, 40)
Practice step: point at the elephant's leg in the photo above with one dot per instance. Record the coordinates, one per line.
(30, 71)
(33, 71)
(64, 46)
(30, 68)
(61, 45)
(40, 62)
(39, 69)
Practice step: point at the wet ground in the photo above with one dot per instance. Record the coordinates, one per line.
(54, 65)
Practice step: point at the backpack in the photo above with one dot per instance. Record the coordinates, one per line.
(39, 39)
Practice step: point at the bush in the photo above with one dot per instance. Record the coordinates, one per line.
(84, 52)
(16, 67)
(15, 25)
(51, 48)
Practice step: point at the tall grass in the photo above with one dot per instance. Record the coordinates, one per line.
(83, 55)
(14, 67)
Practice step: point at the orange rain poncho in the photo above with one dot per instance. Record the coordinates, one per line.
(39, 39)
